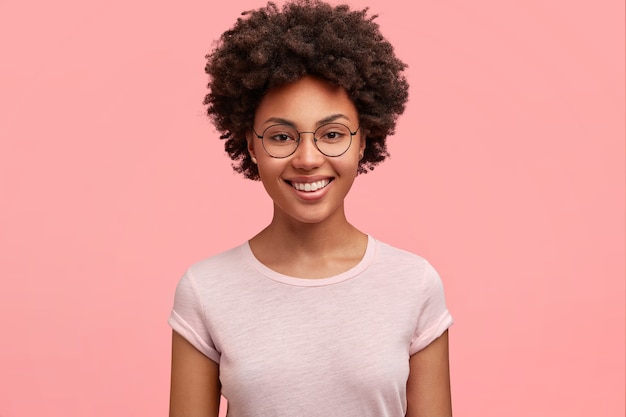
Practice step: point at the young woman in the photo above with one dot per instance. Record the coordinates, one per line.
(310, 317)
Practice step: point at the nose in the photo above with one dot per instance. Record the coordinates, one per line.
(307, 156)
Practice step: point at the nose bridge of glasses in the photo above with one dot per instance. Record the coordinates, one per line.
(312, 144)
(301, 133)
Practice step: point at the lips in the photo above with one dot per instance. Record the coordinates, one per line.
(310, 186)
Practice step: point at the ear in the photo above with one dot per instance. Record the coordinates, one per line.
(250, 140)
(362, 144)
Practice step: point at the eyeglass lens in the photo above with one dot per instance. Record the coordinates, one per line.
(332, 139)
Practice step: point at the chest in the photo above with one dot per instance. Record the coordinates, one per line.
(340, 346)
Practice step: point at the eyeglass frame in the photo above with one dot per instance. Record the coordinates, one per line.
(352, 134)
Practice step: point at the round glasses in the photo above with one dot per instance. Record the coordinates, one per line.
(282, 140)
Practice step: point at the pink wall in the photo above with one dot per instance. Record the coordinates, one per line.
(507, 172)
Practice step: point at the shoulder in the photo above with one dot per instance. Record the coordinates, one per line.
(214, 280)
(396, 258)
(406, 269)
(218, 272)
(223, 262)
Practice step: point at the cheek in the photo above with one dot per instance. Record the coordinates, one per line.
(349, 166)
(267, 166)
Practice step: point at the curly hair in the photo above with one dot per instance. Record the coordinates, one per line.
(269, 47)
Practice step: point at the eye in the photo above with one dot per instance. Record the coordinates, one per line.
(280, 137)
(280, 134)
(332, 133)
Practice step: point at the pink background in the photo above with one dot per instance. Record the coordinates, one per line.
(507, 172)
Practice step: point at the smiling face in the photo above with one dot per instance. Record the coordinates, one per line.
(307, 186)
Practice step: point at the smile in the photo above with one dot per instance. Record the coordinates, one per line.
(310, 186)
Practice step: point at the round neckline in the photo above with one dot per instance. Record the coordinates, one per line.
(312, 282)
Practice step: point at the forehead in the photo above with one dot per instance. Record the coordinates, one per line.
(306, 101)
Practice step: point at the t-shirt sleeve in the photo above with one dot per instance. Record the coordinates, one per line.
(434, 318)
(188, 319)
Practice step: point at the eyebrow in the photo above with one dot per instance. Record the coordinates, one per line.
(327, 119)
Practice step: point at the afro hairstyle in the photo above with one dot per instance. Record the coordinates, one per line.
(273, 46)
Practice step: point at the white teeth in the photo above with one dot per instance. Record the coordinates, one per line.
(310, 186)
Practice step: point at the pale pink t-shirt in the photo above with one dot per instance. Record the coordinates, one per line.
(295, 347)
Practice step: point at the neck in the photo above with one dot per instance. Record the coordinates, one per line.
(309, 250)
(311, 238)
(288, 235)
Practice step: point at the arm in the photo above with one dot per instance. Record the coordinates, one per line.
(195, 386)
(428, 387)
